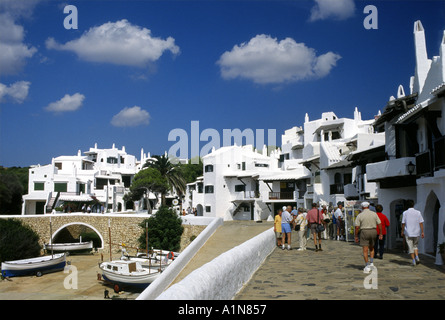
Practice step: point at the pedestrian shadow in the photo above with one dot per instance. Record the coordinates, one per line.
(354, 266)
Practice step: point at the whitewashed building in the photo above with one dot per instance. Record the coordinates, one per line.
(101, 176)
(414, 165)
(312, 166)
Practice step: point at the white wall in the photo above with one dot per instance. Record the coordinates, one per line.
(222, 278)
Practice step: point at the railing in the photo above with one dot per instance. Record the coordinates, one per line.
(243, 195)
(439, 153)
(423, 164)
(281, 195)
(336, 188)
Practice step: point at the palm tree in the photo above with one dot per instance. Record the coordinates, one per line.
(171, 172)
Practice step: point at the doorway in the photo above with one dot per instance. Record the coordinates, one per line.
(431, 224)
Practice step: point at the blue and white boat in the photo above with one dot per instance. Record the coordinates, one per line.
(34, 266)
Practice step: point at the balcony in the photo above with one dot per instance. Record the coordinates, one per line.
(336, 188)
(439, 153)
(282, 195)
(351, 192)
(389, 169)
(245, 195)
(423, 164)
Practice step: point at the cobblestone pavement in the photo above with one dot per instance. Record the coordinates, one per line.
(337, 273)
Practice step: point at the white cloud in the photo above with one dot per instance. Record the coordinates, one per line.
(17, 92)
(67, 103)
(13, 51)
(265, 60)
(131, 117)
(118, 43)
(332, 9)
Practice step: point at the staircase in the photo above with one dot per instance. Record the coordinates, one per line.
(51, 203)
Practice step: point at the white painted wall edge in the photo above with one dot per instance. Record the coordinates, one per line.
(170, 273)
(223, 277)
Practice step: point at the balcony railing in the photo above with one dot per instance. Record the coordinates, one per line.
(423, 164)
(246, 195)
(281, 195)
(439, 153)
(336, 188)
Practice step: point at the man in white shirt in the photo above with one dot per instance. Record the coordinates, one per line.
(340, 222)
(412, 229)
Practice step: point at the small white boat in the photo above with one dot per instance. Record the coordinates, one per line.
(37, 266)
(122, 273)
(74, 246)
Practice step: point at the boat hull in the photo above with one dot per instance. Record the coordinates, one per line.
(76, 246)
(134, 279)
(37, 265)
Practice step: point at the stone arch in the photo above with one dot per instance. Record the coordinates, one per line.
(431, 223)
(81, 223)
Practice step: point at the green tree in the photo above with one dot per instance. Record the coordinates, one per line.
(11, 191)
(164, 230)
(17, 241)
(171, 172)
(191, 171)
(146, 181)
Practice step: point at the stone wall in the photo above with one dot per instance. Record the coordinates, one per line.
(124, 229)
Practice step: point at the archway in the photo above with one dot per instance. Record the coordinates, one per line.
(431, 224)
(63, 234)
(199, 210)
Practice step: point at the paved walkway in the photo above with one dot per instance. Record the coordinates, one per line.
(337, 273)
(226, 237)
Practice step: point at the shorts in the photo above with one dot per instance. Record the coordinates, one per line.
(314, 228)
(412, 243)
(279, 235)
(367, 237)
(285, 228)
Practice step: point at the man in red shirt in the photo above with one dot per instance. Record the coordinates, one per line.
(314, 218)
(380, 243)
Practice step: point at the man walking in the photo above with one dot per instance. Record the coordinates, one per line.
(339, 221)
(380, 244)
(286, 227)
(314, 218)
(367, 223)
(412, 229)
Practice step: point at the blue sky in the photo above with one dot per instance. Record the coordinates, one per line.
(135, 70)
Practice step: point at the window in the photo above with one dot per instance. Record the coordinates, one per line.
(208, 168)
(243, 164)
(112, 160)
(208, 209)
(58, 165)
(240, 187)
(284, 157)
(261, 165)
(101, 183)
(60, 186)
(208, 189)
(39, 186)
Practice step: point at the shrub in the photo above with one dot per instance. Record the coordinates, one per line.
(164, 230)
(17, 241)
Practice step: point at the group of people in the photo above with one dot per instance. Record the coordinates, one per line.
(193, 211)
(370, 229)
(288, 219)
